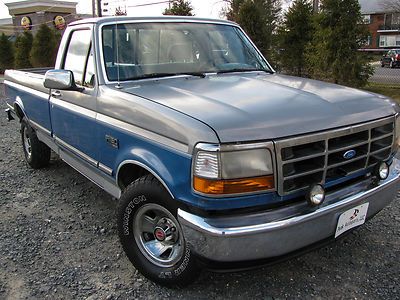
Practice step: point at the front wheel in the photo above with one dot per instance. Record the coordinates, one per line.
(151, 235)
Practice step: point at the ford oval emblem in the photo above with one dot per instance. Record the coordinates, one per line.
(349, 154)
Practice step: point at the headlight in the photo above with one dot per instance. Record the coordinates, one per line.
(227, 170)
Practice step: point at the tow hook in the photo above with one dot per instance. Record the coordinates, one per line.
(9, 116)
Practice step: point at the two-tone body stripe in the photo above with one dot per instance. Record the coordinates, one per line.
(39, 94)
(73, 108)
(152, 136)
(39, 127)
(127, 127)
(105, 169)
(76, 151)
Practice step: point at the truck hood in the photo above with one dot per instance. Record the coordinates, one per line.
(258, 106)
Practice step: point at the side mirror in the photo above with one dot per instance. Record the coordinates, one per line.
(60, 80)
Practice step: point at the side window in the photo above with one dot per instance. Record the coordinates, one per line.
(89, 71)
(77, 52)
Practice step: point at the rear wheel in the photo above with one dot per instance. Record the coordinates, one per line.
(151, 235)
(37, 154)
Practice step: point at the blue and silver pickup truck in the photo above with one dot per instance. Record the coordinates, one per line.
(216, 160)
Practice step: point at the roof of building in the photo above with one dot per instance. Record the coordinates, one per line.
(6, 21)
(372, 6)
(29, 6)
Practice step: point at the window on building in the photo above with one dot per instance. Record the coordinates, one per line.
(382, 41)
(366, 19)
(389, 40)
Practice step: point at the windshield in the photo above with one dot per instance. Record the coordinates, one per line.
(134, 51)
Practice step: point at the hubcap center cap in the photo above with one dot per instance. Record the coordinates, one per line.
(159, 234)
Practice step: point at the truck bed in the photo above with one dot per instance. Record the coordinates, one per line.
(31, 78)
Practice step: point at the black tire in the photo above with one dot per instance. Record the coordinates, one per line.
(37, 154)
(141, 195)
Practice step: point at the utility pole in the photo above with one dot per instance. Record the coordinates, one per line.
(99, 8)
(315, 6)
(93, 8)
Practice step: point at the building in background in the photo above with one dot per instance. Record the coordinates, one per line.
(30, 14)
(6, 26)
(383, 23)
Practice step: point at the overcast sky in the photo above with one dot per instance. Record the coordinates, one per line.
(202, 8)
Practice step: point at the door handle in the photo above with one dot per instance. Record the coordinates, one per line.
(56, 94)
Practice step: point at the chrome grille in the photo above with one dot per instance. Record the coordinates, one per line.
(320, 157)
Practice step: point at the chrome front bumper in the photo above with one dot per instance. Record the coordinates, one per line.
(273, 234)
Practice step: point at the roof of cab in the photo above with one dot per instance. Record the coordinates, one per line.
(151, 19)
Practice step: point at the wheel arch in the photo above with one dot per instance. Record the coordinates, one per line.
(19, 110)
(130, 170)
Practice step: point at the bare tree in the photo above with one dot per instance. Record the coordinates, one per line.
(120, 11)
(391, 5)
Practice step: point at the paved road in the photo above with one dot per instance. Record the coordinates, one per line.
(385, 75)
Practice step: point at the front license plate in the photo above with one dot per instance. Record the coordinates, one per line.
(351, 218)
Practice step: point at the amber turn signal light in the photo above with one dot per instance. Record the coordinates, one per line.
(233, 186)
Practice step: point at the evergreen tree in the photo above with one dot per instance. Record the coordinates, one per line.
(179, 8)
(334, 51)
(43, 47)
(232, 11)
(294, 36)
(57, 40)
(6, 54)
(23, 46)
(259, 18)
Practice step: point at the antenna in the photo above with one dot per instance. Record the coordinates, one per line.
(118, 86)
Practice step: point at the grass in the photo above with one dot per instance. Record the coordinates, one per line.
(387, 90)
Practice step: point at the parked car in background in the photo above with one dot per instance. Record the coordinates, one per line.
(391, 59)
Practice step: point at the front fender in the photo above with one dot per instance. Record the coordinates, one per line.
(170, 167)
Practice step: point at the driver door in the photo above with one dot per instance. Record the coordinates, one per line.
(73, 113)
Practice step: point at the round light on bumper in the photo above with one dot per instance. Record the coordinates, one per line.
(383, 171)
(316, 195)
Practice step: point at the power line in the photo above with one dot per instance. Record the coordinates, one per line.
(148, 4)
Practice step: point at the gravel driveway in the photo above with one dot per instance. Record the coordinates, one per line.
(58, 240)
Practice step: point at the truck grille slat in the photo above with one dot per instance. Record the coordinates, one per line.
(330, 155)
(349, 147)
(303, 174)
(347, 162)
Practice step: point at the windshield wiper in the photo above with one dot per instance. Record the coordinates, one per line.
(244, 70)
(160, 75)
